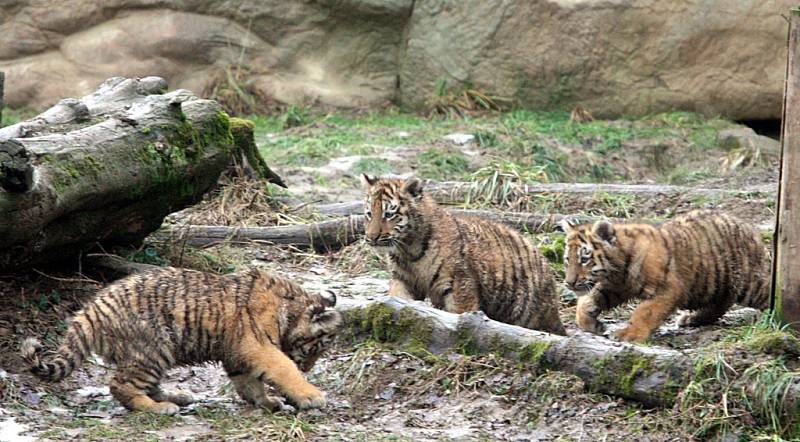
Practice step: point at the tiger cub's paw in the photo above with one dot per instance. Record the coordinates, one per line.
(163, 408)
(311, 399)
(631, 334)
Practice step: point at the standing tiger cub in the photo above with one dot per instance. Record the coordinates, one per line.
(700, 261)
(261, 327)
(461, 264)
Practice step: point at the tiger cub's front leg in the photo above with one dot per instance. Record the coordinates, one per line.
(267, 363)
(399, 289)
(589, 308)
(252, 391)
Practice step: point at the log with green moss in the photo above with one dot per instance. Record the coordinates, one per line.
(654, 376)
(106, 168)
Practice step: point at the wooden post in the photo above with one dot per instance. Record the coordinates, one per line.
(2, 103)
(786, 265)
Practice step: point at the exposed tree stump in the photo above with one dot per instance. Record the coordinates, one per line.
(106, 168)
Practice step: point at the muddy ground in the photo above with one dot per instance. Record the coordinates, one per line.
(375, 391)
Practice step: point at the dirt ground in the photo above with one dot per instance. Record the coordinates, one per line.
(375, 392)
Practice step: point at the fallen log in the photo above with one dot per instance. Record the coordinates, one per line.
(651, 375)
(106, 168)
(449, 192)
(336, 233)
(654, 376)
(321, 236)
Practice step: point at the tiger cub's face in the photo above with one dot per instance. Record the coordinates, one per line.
(313, 330)
(390, 210)
(585, 254)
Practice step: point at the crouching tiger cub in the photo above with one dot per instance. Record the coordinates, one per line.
(700, 261)
(462, 264)
(261, 327)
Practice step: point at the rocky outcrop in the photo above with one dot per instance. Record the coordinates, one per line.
(613, 57)
(341, 53)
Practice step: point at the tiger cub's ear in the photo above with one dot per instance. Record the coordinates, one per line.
(567, 224)
(414, 187)
(328, 298)
(604, 230)
(368, 180)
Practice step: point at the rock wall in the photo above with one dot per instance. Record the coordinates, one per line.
(614, 57)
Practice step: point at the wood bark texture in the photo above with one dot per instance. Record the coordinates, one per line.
(786, 278)
(649, 375)
(106, 168)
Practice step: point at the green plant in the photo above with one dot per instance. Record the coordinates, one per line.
(440, 164)
(372, 166)
(294, 116)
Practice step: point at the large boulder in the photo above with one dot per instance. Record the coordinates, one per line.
(611, 56)
(614, 57)
(341, 53)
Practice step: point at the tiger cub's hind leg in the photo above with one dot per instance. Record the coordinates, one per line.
(703, 316)
(131, 386)
(179, 397)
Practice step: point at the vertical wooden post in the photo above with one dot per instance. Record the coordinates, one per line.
(2, 103)
(786, 264)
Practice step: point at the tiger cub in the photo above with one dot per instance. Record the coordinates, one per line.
(462, 264)
(701, 261)
(261, 327)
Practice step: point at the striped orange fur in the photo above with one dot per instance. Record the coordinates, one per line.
(461, 264)
(262, 328)
(701, 261)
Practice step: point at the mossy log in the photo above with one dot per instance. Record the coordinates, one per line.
(650, 375)
(106, 168)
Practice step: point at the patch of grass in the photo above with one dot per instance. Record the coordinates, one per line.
(294, 116)
(614, 205)
(441, 164)
(552, 248)
(686, 174)
(14, 116)
(372, 166)
(736, 388)
(230, 424)
(146, 255)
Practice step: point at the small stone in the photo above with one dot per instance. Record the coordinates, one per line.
(460, 139)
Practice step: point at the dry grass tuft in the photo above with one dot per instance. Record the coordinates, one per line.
(235, 89)
(239, 201)
(450, 103)
(580, 115)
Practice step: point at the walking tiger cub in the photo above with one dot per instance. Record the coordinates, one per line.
(463, 264)
(261, 327)
(700, 261)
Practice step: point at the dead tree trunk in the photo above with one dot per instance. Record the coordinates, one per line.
(786, 279)
(106, 168)
(650, 375)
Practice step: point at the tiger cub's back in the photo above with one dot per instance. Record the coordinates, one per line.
(721, 258)
(516, 284)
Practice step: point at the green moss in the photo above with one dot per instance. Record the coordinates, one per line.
(69, 172)
(619, 372)
(383, 324)
(774, 342)
(531, 355)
